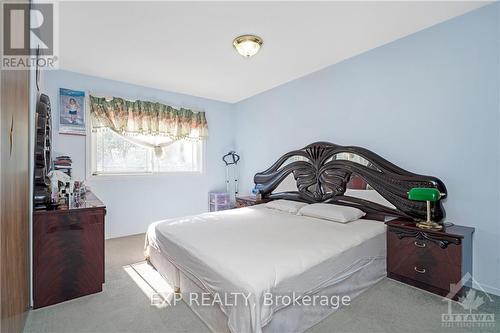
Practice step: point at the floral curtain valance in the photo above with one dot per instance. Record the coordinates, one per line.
(147, 118)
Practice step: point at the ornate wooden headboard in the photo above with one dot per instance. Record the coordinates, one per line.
(322, 171)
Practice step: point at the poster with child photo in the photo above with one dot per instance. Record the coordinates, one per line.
(71, 112)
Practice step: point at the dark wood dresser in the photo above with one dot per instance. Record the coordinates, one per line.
(249, 201)
(430, 260)
(68, 252)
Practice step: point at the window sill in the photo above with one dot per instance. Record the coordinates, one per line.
(121, 176)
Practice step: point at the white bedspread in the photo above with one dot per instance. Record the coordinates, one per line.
(259, 250)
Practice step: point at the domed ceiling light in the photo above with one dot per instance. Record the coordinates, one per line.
(247, 45)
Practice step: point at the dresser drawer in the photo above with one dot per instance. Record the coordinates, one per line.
(433, 262)
(68, 254)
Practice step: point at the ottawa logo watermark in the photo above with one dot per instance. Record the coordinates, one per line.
(29, 35)
(472, 304)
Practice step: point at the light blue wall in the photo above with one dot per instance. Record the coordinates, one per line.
(428, 102)
(134, 202)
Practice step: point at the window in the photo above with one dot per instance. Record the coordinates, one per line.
(116, 154)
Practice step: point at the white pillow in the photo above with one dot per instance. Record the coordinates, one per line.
(331, 212)
(288, 206)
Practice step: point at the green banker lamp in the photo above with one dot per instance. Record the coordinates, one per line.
(428, 195)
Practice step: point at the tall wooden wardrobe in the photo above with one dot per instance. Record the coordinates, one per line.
(14, 197)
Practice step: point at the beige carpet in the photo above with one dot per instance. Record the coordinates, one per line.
(123, 307)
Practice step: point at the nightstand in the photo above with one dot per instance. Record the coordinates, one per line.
(430, 260)
(249, 201)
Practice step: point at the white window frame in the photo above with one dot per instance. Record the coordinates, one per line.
(91, 161)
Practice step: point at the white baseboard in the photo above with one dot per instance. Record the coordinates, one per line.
(487, 288)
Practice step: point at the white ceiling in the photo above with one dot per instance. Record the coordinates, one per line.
(186, 47)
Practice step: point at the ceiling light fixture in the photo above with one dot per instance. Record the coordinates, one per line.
(247, 45)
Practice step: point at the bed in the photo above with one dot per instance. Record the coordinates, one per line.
(252, 268)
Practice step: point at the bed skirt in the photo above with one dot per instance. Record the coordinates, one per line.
(296, 318)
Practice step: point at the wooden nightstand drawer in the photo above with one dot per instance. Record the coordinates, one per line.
(430, 260)
(423, 260)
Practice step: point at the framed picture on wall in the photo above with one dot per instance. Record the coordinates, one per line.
(72, 119)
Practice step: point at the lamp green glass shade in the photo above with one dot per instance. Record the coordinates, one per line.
(428, 195)
(424, 194)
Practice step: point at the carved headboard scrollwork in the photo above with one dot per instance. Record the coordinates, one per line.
(323, 170)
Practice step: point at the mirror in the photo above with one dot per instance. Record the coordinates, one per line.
(353, 158)
(294, 158)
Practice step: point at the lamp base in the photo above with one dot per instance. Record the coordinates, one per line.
(430, 225)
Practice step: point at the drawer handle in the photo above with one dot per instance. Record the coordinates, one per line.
(418, 244)
(419, 270)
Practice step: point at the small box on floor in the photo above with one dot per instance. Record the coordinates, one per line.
(219, 201)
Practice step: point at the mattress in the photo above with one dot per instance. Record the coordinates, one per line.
(259, 251)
